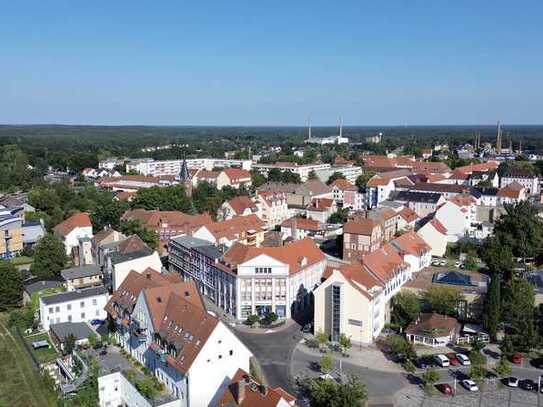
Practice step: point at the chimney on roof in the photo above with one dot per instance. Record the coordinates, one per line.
(239, 391)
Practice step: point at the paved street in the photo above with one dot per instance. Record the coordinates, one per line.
(273, 351)
(381, 385)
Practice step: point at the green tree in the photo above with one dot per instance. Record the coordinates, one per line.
(430, 377)
(443, 300)
(345, 342)
(108, 213)
(477, 373)
(171, 198)
(498, 256)
(334, 176)
(147, 388)
(326, 363)
(257, 179)
(405, 308)
(321, 337)
(340, 216)
(134, 227)
(503, 367)
(312, 175)
(401, 346)
(49, 257)
(329, 393)
(363, 179)
(518, 313)
(69, 344)
(11, 289)
(492, 308)
(207, 198)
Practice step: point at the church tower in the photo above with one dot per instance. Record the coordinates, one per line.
(185, 179)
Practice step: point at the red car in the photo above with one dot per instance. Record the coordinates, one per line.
(452, 359)
(445, 389)
(517, 358)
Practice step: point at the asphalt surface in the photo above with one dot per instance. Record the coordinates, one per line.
(273, 351)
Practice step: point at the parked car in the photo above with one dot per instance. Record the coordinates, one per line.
(470, 385)
(457, 264)
(442, 360)
(445, 388)
(443, 263)
(527, 384)
(421, 363)
(464, 360)
(512, 381)
(97, 322)
(452, 359)
(517, 358)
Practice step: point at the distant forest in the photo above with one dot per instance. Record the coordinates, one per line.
(77, 147)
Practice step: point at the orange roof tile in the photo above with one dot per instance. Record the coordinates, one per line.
(78, 220)
(411, 243)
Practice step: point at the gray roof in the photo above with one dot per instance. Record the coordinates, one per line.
(80, 272)
(80, 330)
(37, 286)
(190, 242)
(409, 196)
(117, 257)
(73, 295)
(209, 251)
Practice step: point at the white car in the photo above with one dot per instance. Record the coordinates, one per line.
(463, 359)
(512, 381)
(470, 385)
(457, 264)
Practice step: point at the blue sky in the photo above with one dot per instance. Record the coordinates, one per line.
(271, 63)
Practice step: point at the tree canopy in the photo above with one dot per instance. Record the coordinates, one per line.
(134, 227)
(11, 289)
(443, 300)
(49, 257)
(405, 308)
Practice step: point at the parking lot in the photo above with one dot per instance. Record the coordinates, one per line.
(493, 394)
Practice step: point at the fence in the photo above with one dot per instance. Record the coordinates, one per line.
(20, 337)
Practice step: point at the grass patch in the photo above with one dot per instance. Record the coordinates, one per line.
(20, 260)
(21, 385)
(43, 355)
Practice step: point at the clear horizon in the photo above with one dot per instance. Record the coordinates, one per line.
(261, 64)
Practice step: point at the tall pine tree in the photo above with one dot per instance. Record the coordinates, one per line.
(11, 289)
(492, 309)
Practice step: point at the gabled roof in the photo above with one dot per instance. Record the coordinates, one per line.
(80, 272)
(437, 225)
(235, 228)
(78, 220)
(384, 178)
(240, 203)
(73, 295)
(173, 219)
(383, 263)
(358, 276)
(303, 224)
(321, 204)
(439, 188)
(236, 174)
(411, 196)
(411, 243)
(361, 226)
(343, 185)
(208, 174)
(409, 215)
(299, 254)
(244, 391)
(512, 190)
(433, 326)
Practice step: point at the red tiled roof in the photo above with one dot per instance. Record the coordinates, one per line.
(78, 220)
(298, 254)
(343, 185)
(384, 263)
(512, 190)
(357, 276)
(385, 177)
(175, 220)
(438, 226)
(411, 243)
(433, 325)
(204, 174)
(236, 175)
(303, 224)
(240, 203)
(408, 214)
(235, 228)
(361, 226)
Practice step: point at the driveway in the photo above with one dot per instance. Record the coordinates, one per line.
(273, 351)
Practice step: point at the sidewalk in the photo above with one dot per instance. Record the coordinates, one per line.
(366, 356)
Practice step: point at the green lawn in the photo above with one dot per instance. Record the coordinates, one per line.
(20, 260)
(43, 355)
(20, 383)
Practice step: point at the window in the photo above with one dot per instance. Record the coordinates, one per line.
(82, 315)
(263, 270)
(97, 312)
(94, 301)
(57, 309)
(50, 310)
(231, 352)
(69, 318)
(82, 304)
(69, 307)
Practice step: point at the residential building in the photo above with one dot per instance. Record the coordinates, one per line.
(245, 391)
(302, 170)
(433, 330)
(11, 234)
(150, 167)
(72, 230)
(111, 162)
(299, 196)
(407, 219)
(525, 177)
(512, 193)
(435, 234)
(248, 230)
(274, 279)
(297, 228)
(346, 195)
(238, 178)
(361, 236)
(388, 218)
(218, 179)
(487, 196)
(101, 241)
(114, 389)
(33, 232)
(36, 287)
(273, 208)
(165, 326)
(354, 298)
(455, 218)
(133, 183)
(76, 278)
(73, 306)
(413, 250)
(422, 203)
(381, 185)
(61, 332)
(446, 190)
(167, 223)
(321, 209)
(238, 206)
(350, 172)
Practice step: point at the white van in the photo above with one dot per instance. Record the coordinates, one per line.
(442, 360)
(463, 359)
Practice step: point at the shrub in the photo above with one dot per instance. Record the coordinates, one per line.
(326, 363)
(252, 319)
